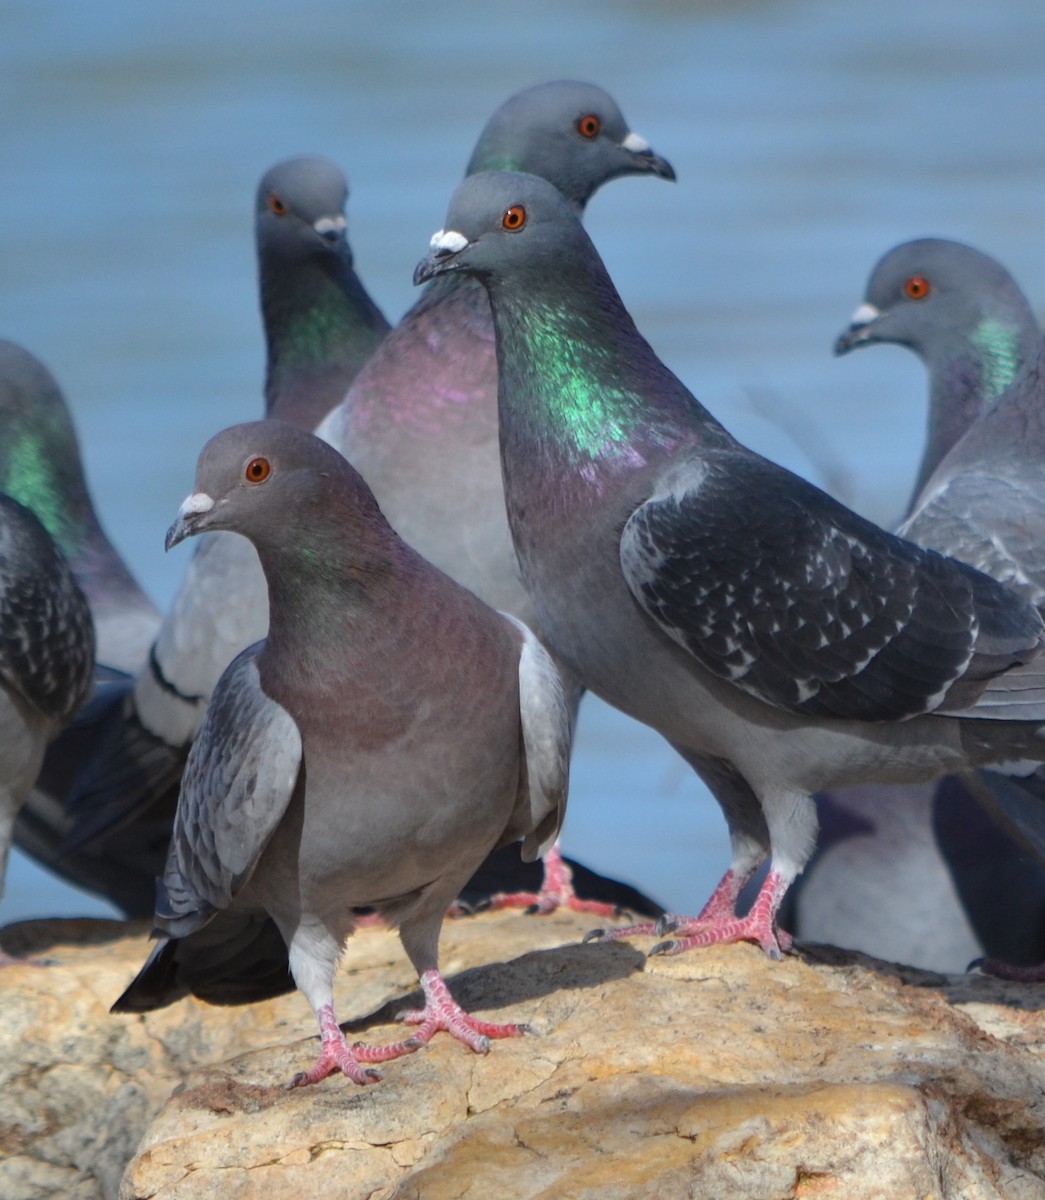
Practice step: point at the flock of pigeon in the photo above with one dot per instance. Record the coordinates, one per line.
(370, 693)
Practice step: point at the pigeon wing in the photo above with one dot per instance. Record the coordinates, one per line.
(241, 773)
(772, 585)
(547, 729)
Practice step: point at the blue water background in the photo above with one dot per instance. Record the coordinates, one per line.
(809, 136)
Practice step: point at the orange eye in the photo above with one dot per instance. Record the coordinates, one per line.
(276, 205)
(589, 126)
(514, 218)
(257, 470)
(917, 287)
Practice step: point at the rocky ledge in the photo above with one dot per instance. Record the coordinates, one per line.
(716, 1074)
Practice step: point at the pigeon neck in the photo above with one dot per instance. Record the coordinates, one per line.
(325, 583)
(41, 470)
(319, 330)
(964, 386)
(579, 382)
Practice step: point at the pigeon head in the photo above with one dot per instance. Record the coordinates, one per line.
(501, 221)
(572, 134)
(938, 298)
(266, 480)
(300, 211)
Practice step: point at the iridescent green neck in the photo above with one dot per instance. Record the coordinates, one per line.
(29, 475)
(316, 334)
(585, 406)
(998, 345)
(496, 162)
(324, 322)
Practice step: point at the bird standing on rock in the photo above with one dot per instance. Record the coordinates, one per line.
(320, 326)
(420, 420)
(918, 873)
(780, 642)
(40, 467)
(389, 732)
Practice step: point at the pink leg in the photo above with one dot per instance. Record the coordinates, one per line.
(442, 1012)
(336, 1055)
(556, 892)
(720, 907)
(718, 925)
(1004, 970)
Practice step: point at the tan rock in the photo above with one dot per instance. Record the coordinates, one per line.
(717, 1074)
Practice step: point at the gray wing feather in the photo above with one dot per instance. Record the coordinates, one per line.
(547, 729)
(240, 776)
(772, 585)
(994, 523)
(46, 631)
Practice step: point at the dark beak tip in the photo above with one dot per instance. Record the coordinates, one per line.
(178, 532)
(649, 163)
(851, 339)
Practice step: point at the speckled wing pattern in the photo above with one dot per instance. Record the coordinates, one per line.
(779, 589)
(240, 776)
(46, 632)
(994, 522)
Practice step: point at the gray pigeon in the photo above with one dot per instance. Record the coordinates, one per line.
(914, 873)
(420, 421)
(40, 467)
(964, 316)
(783, 644)
(46, 655)
(388, 734)
(985, 503)
(320, 327)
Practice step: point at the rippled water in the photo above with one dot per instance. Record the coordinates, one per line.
(808, 138)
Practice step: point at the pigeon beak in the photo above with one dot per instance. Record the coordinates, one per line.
(860, 329)
(643, 159)
(331, 229)
(190, 518)
(442, 256)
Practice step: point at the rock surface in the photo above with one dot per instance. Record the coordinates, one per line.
(714, 1074)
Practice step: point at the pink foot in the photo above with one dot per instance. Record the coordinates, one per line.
(370, 921)
(556, 892)
(717, 927)
(336, 1055)
(442, 1012)
(1004, 970)
(720, 907)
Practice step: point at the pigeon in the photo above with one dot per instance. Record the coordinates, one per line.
(915, 873)
(388, 733)
(964, 316)
(985, 503)
(783, 644)
(40, 467)
(320, 327)
(420, 420)
(46, 656)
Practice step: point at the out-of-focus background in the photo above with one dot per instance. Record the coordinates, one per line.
(809, 136)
